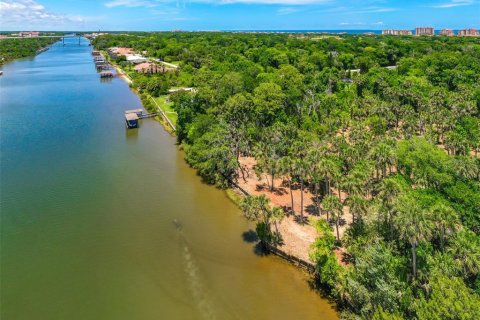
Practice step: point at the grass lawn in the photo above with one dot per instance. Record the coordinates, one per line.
(166, 105)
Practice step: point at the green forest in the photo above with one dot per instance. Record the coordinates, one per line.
(386, 126)
(11, 49)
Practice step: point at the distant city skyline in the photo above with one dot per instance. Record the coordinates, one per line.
(158, 15)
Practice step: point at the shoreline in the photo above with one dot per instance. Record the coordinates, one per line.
(33, 55)
(164, 121)
(293, 258)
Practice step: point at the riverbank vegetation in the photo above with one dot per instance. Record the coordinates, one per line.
(11, 49)
(382, 129)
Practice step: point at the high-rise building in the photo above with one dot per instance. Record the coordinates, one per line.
(424, 31)
(468, 33)
(447, 32)
(393, 32)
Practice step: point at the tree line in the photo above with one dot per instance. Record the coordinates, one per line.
(11, 49)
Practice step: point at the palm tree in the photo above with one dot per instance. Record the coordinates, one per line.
(287, 168)
(328, 169)
(257, 208)
(359, 178)
(301, 171)
(384, 156)
(313, 159)
(331, 204)
(339, 181)
(352, 184)
(446, 220)
(388, 192)
(465, 166)
(465, 248)
(413, 225)
(276, 216)
(358, 206)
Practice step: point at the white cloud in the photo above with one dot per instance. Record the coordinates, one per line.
(29, 12)
(131, 3)
(287, 10)
(454, 3)
(181, 3)
(375, 10)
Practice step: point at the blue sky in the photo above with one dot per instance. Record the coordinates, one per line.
(151, 15)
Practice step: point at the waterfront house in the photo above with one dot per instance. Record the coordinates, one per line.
(115, 52)
(173, 90)
(135, 58)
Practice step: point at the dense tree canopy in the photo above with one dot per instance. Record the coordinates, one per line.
(19, 48)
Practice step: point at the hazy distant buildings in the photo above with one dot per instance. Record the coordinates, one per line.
(468, 33)
(424, 31)
(29, 34)
(94, 35)
(447, 32)
(393, 32)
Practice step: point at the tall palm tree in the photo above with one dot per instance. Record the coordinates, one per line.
(358, 206)
(301, 169)
(446, 220)
(413, 225)
(287, 168)
(276, 216)
(352, 184)
(331, 204)
(384, 156)
(465, 247)
(339, 181)
(313, 159)
(257, 208)
(328, 169)
(388, 192)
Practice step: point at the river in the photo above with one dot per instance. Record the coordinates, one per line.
(87, 211)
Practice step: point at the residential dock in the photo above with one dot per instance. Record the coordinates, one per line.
(131, 120)
(132, 117)
(106, 74)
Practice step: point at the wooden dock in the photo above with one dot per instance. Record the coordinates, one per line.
(149, 115)
(132, 117)
(106, 74)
